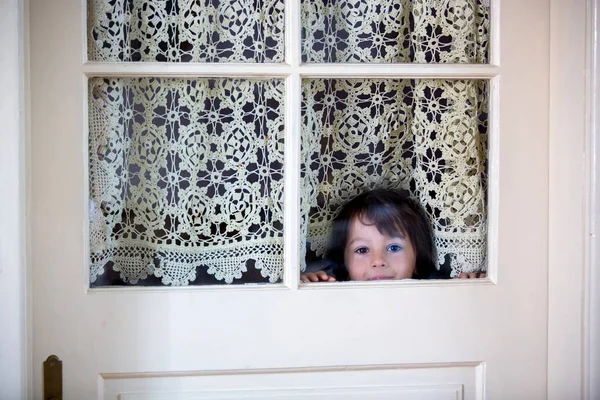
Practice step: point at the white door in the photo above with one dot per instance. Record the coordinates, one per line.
(468, 339)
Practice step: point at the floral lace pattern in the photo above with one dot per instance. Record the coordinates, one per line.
(186, 173)
(395, 31)
(427, 136)
(186, 30)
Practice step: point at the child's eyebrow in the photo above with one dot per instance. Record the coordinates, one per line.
(356, 239)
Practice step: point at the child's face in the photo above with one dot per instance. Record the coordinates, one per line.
(370, 255)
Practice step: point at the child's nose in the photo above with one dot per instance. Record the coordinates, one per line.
(378, 260)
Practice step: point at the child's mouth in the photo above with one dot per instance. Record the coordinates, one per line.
(380, 278)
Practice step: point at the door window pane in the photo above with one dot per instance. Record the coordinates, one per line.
(186, 180)
(186, 30)
(395, 31)
(427, 136)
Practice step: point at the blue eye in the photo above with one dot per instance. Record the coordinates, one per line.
(362, 250)
(394, 248)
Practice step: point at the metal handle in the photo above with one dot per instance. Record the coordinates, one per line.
(53, 378)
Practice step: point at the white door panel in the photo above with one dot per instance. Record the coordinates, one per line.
(374, 382)
(487, 337)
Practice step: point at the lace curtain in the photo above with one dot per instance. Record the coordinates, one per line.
(427, 136)
(186, 175)
(399, 31)
(186, 30)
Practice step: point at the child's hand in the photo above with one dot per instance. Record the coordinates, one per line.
(319, 276)
(472, 275)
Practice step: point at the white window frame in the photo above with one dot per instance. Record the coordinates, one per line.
(293, 71)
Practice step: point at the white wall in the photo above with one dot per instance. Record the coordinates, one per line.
(13, 341)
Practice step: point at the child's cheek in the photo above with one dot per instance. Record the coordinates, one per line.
(355, 275)
(351, 266)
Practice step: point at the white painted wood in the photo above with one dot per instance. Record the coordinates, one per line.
(495, 33)
(456, 381)
(501, 322)
(591, 349)
(493, 181)
(437, 392)
(282, 70)
(293, 46)
(249, 287)
(293, 121)
(399, 70)
(567, 199)
(291, 172)
(13, 302)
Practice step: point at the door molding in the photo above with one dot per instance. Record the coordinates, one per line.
(591, 338)
(573, 201)
(13, 146)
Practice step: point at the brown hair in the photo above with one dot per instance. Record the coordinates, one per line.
(392, 212)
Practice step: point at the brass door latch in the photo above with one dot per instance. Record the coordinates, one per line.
(53, 379)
